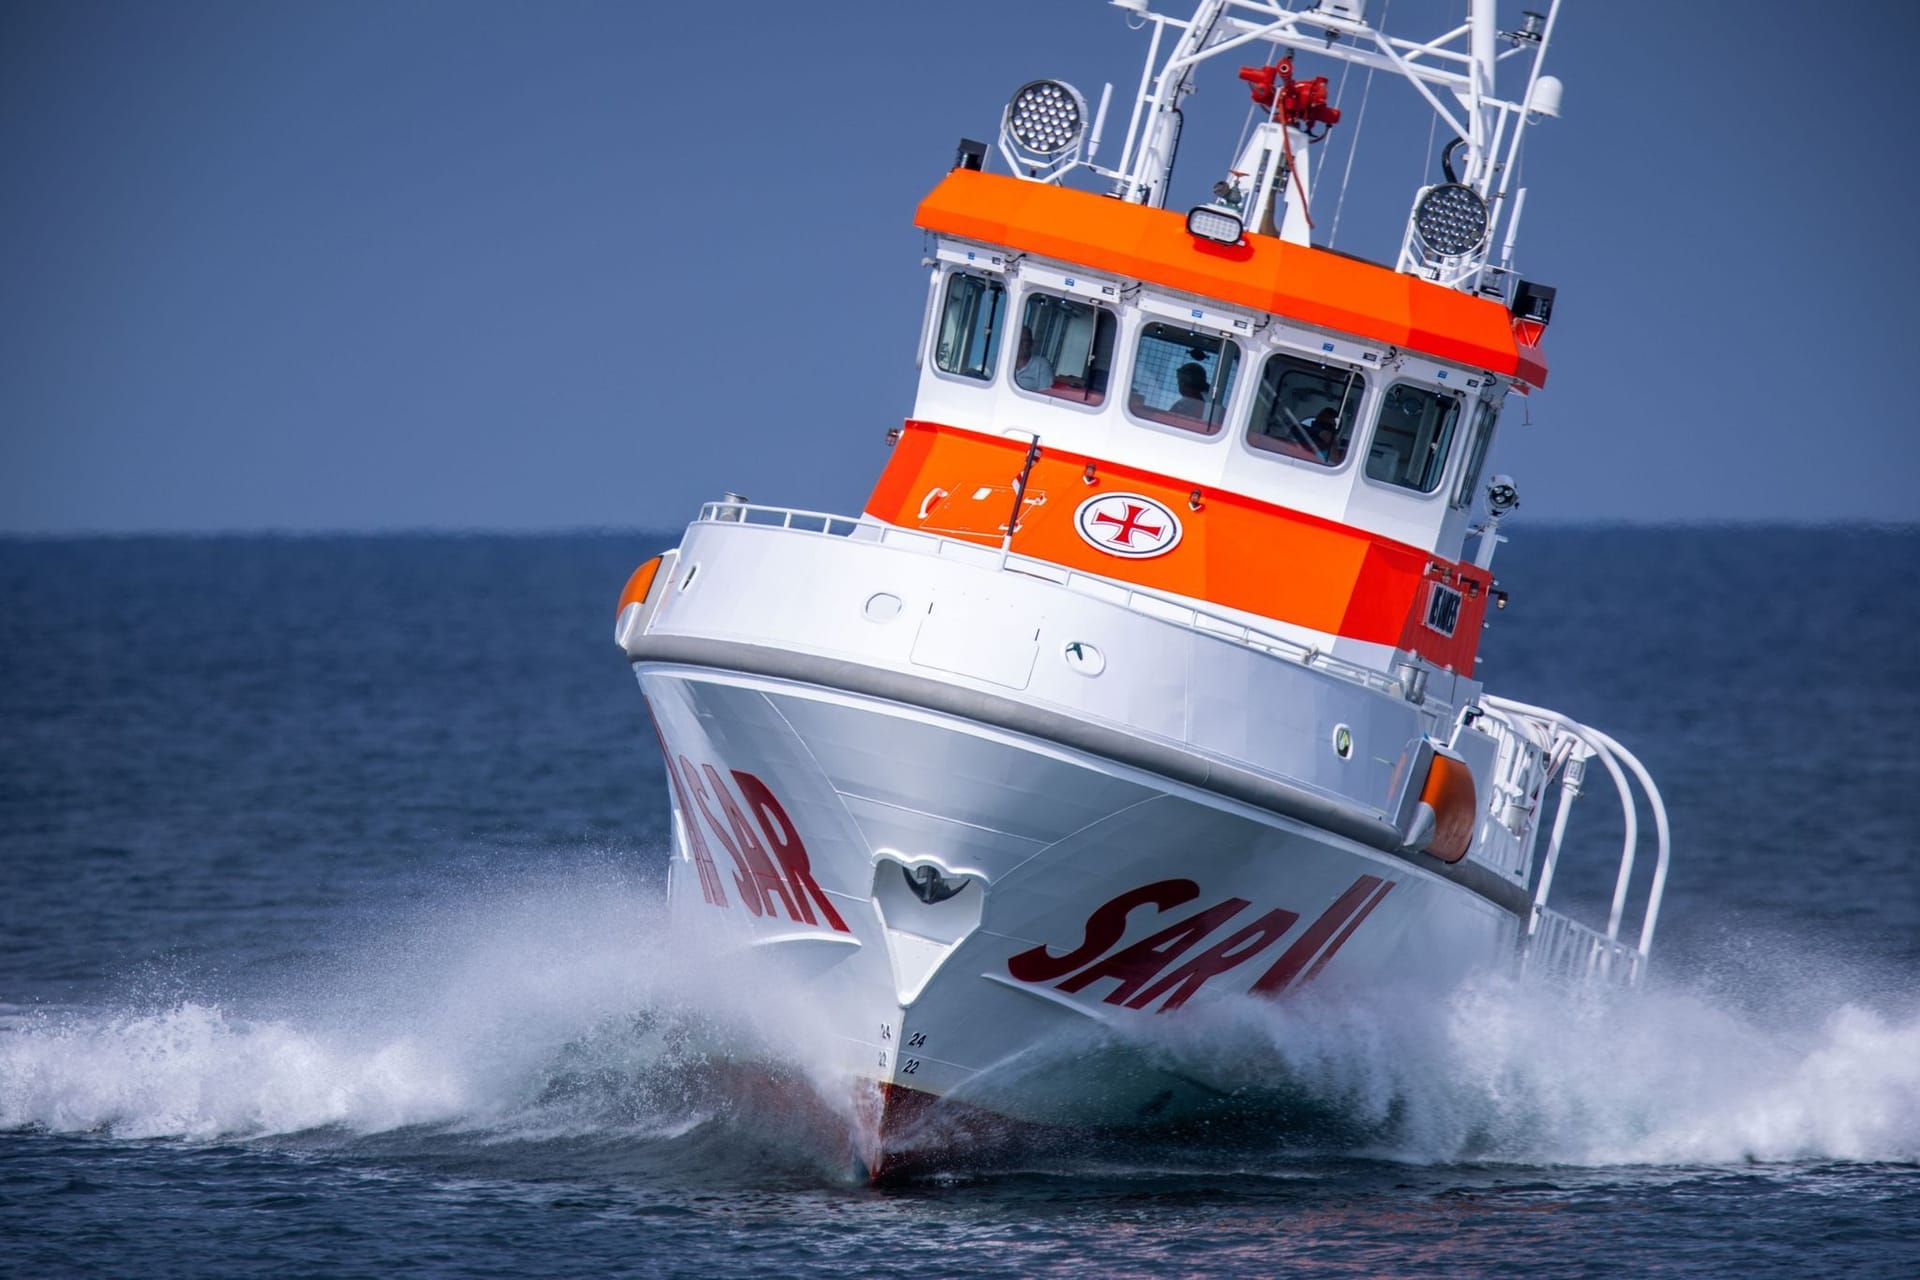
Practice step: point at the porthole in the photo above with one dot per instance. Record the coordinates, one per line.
(1083, 657)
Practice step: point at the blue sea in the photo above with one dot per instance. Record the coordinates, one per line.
(330, 880)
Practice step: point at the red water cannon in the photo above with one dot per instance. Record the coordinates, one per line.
(1295, 102)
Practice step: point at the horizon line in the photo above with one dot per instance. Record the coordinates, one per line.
(292, 532)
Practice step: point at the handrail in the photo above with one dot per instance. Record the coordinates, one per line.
(1663, 836)
(1550, 731)
(1165, 608)
(740, 511)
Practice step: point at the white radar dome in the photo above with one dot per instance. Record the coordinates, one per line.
(1545, 98)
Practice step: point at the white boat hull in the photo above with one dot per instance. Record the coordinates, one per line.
(1092, 894)
(966, 817)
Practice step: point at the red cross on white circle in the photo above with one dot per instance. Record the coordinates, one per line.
(1129, 525)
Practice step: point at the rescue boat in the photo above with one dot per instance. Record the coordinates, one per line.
(1147, 678)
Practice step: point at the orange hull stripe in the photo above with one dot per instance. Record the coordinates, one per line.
(1234, 551)
(1266, 274)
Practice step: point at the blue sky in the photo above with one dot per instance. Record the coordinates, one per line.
(425, 264)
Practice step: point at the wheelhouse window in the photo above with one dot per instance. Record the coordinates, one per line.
(1478, 443)
(1412, 436)
(1182, 377)
(1065, 349)
(970, 325)
(1306, 410)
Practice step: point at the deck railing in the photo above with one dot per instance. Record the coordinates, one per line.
(1568, 746)
(1561, 946)
(1151, 603)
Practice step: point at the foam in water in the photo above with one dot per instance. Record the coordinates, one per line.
(1504, 1070)
(563, 1007)
(546, 1008)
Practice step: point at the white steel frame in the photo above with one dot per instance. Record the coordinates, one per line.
(1454, 72)
(1571, 744)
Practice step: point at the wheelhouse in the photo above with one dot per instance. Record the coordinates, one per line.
(1309, 428)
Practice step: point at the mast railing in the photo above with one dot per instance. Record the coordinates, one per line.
(1460, 64)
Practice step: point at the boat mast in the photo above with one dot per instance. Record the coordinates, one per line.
(1451, 237)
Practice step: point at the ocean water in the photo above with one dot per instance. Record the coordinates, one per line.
(330, 943)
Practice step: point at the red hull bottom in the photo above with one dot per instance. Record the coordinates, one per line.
(910, 1134)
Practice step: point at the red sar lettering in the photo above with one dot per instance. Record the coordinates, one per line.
(1144, 972)
(773, 883)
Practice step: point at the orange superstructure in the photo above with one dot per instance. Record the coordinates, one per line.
(1238, 553)
(1263, 273)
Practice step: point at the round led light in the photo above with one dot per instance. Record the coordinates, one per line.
(1450, 219)
(1046, 117)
